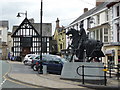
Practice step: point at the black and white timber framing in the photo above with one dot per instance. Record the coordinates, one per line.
(26, 39)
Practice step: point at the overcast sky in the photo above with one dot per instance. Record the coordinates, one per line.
(66, 10)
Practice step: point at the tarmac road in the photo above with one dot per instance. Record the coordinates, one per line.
(8, 83)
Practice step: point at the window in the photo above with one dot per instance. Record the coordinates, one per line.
(0, 32)
(117, 8)
(107, 16)
(98, 19)
(92, 35)
(105, 38)
(105, 34)
(105, 31)
(60, 46)
(97, 34)
(118, 33)
(101, 34)
(88, 22)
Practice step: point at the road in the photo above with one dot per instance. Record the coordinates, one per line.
(7, 83)
(20, 69)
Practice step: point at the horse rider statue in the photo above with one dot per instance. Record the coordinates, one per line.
(82, 34)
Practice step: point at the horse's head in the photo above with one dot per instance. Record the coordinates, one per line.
(71, 31)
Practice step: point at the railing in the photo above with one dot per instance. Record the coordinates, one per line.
(105, 69)
(115, 67)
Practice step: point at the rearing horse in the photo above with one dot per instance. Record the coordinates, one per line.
(92, 47)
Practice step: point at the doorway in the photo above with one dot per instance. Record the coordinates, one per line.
(25, 50)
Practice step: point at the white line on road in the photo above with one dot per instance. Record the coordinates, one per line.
(2, 83)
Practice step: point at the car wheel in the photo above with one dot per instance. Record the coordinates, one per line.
(25, 62)
(34, 68)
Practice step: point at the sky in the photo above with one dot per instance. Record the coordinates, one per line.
(66, 10)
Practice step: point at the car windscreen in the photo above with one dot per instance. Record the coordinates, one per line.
(59, 59)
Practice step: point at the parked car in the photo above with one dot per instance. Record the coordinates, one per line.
(36, 61)
(18, 58)
(28, 59)
(54, 64)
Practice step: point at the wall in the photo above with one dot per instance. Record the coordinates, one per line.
(4, 34)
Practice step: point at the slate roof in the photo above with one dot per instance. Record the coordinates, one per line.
(4, 23)
(113, 2)
(60, 29)
(46, 28)
(91, 11)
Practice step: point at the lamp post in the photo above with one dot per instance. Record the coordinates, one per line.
(41, 71)
(18, 15)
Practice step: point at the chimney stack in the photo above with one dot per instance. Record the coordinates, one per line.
(85, 10)
(57, 23)
(98, 2)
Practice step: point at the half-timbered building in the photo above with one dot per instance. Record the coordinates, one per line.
(26, 38)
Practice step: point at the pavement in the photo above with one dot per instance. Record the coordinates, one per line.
(54, 81)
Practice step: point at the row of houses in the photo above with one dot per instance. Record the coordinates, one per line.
(103, 23)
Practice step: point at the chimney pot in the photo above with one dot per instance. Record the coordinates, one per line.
(85, 10)
(57, 23)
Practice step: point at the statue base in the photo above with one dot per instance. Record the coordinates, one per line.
(93, 72)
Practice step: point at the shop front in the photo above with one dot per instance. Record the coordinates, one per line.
(112, 55)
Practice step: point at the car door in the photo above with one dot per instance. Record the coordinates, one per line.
(55, 65)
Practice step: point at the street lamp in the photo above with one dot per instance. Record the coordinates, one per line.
(18, 15)
(41, 71)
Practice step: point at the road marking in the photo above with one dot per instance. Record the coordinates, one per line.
(5, 78)
(17, 82)
(2, 83)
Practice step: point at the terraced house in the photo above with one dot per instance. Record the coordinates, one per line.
(103, 23)
(113, 48)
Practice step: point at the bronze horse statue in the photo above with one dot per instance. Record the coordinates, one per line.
(84, 48)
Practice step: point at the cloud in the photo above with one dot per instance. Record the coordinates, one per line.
(65, 10)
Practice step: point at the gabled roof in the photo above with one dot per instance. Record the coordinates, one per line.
(19, 27)
(92, 11)
(46, 29)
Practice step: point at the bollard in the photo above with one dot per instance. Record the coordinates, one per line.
(44, 69)
(105, 79)
(83, 81)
